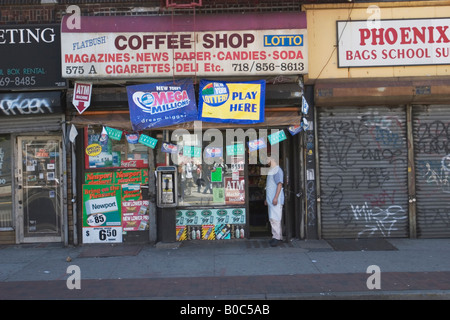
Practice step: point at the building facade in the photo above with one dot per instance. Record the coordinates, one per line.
(381, 90)
(355, 99)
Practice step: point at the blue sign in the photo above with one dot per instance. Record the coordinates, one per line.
(161, 104)
(232, 102)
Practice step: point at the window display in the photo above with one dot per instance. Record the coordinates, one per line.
(205, 179)
(102, 151)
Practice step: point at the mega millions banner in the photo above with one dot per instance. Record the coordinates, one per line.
(232, 102)
(102, 218)
(161, 104)
(143, 47)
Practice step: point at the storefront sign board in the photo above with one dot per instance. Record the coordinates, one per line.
(139, 47)
(31, 57)
(401, 42)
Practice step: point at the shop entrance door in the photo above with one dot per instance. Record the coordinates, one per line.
(39, 188)
(259, 225)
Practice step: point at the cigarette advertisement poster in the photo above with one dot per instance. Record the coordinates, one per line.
(161, 104)
(102, 221)
(135, 215)
(232, 102)
(117, 177)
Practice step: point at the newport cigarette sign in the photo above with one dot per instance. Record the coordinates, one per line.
(82, 96)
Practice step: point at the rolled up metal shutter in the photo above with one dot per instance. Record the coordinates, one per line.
(363, 172)
(431, 132)
(31, 124)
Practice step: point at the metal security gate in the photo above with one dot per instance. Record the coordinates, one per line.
(363, 172)
(431, 130)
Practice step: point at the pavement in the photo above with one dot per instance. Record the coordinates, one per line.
(200, 271)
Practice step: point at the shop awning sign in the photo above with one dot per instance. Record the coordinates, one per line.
(82, 96)
(400, 42)
(161, 104)
(232, 102)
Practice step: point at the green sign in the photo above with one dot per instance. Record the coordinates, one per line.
(114, 134)
(277, 137)
(148, 141)
(102, 217)
(235, 149)
(102, 199)
(191, 151)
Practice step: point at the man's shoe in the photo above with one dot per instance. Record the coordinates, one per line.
(273, 242)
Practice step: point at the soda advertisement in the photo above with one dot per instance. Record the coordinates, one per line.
(102, 218)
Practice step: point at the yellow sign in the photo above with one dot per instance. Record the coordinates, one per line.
(236, 102)
(93, 149)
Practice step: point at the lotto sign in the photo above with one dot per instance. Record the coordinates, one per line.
(82, 96)
(233, 102)
(102, 221)
(161, 104)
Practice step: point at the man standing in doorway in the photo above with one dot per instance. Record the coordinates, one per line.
(275, 200)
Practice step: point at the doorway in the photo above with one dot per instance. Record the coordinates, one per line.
(39, 188)
(259, 225)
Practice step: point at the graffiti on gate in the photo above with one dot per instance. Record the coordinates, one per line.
(378, 220)
(433, 138)
(366, 161)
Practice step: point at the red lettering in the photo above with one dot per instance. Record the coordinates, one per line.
(364, 35)
(442, 35)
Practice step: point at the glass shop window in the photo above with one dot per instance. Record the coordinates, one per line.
(101, 151)
(208, 175)
(5, 182)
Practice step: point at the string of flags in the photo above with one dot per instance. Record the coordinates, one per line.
(139, 137)
(241, 102)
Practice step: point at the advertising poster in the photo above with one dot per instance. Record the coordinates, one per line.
(210, 224)
(232, 102)
(102, 221)
(135, 215)
(161, 104)
(139, 176)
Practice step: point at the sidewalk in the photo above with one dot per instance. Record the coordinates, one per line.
(245, 269)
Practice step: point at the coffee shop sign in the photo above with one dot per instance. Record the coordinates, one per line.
(25, 105)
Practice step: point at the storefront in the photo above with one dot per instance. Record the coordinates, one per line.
(32, 148)
(220, 165)
(381, 105)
